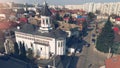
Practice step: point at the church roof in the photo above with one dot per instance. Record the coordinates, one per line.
(27, 28)
(33, 29)
(58, 33)
(45, 10)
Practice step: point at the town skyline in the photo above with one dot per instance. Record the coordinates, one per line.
(61, 2)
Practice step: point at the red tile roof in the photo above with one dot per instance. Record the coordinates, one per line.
(116, 29)
(6, 11)
(117, 19)
(113, 62)
(7, 25)
(23, 20)
(53, 11)
(66, 18)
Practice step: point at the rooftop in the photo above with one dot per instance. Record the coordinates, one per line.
(113, 62)
(7, 25)
(33, 29)
(45, 10)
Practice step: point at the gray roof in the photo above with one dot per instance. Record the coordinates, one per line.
(45, 10)
(33, 29)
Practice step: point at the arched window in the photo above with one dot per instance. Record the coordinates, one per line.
(41, 49)
(31, 45)
(61, 44)
(43, 21)
(47, 21)
(58, 44)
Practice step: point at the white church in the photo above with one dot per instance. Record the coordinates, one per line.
(44, 40)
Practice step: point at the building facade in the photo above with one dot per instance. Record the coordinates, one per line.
(44, 41)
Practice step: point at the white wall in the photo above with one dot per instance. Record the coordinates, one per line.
(26, 38)
(61, 47)
(51, 44)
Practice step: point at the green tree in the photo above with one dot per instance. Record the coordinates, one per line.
(16, 49)
(55, 24)
(30, 54)
(58, 17)
(116, 48)
(84, 29)
(22, 50)
(70, 20)
(106, 38)
(91, 15)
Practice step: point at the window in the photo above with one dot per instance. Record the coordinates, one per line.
(46, 21)
(58, 44)
(31, 45)
(61, 43)
(43, 21)
(41, 49)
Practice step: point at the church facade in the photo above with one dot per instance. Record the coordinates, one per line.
(44, 41)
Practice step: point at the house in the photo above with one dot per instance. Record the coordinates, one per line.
(2, 16)
(117, 21)
(70, 29)
(44, 41)
(113, 62)
(5, 25)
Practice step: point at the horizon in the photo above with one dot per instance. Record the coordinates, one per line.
(62, 2)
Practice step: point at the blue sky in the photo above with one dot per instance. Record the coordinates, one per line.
(59, 2)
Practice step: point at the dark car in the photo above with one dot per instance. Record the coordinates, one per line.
(93, 35)
(78, 50)
(93, 40)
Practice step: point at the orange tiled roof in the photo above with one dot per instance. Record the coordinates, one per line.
(113, 62)
(7, 25)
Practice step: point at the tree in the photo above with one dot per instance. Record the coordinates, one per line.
(116, 48)
(16, 49)
(22, 50)
(70, 20)
(2, 49)
(91, 15)
(30, 54)
(84, 28)
(57, 16)
(55, 24)
(106, 38)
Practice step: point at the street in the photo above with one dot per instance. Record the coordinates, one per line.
(89, 57)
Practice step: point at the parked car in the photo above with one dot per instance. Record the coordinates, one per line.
(79, 50)
(87, 45)
(93, 40)
(93, 35)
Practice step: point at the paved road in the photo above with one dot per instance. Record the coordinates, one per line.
(90, 58)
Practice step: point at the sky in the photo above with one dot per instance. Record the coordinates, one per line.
(59, 2)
